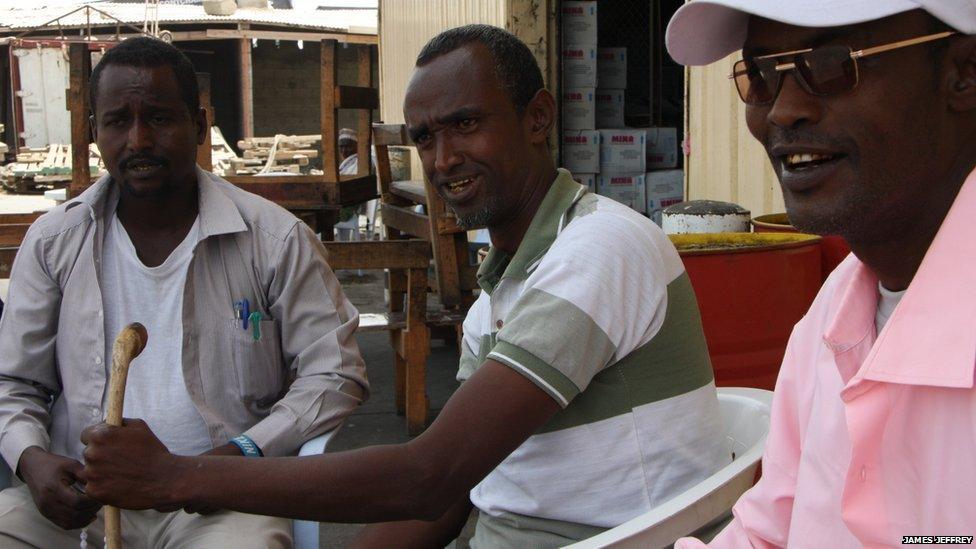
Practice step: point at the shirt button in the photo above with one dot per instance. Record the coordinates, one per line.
(864, 473)
(98, 360)
(95, 412)
(498, 324)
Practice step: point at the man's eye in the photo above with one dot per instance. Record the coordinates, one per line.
(422, 140)
(115, 122)
(161, 119)
(467, 123)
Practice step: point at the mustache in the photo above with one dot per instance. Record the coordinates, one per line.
(788, 136)
(127, 162)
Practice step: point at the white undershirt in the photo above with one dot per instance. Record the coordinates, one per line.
(887, 301)
(132, 292)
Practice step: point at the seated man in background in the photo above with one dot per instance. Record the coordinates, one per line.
(235, 294)
(867, 110)
(588, 395)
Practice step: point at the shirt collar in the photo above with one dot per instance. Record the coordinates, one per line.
(546, 224)
(218, 213)
(930, 338)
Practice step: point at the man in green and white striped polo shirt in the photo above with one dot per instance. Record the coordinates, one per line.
(588, 395)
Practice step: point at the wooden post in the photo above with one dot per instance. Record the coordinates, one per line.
(247, 88)
(78, 82)
(205, 151)
(330, 123)
(364, 78)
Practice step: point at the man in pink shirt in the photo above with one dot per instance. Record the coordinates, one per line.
(867, 109)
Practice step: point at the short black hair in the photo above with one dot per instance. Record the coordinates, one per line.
(515, 66)
(143, 51)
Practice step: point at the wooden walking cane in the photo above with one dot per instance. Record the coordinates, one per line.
(128, 344)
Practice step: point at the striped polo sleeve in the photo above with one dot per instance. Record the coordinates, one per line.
(599, 292)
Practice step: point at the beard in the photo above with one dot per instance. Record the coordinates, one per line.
(480, 218)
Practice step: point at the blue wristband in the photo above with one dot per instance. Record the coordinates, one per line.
(247, 446)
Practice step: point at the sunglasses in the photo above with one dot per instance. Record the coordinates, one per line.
(828, 70)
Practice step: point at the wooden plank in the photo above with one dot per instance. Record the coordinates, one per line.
(447, 224)
(406, 220)
(248, 34)
(13, 235)
(416, 348)
(288, 194)
(17, 218)
(247, 87)
(411, 190)
(330, 121)
(364, 123)
(352, 190)
(7, 260)
(445, 253)
(78, 81)
(379, 254)
(391, 134)
(355, 97)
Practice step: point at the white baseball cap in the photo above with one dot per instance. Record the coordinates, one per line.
(704, 31)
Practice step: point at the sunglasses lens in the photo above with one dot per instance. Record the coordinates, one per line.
(828, 70)
(756, 80)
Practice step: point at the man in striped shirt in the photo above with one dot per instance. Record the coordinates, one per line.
(588, 396)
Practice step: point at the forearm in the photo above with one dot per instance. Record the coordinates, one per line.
(383, 483)
(416, 533)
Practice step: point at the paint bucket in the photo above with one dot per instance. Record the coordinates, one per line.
(751, 289)
(705, 216)
(833, 249)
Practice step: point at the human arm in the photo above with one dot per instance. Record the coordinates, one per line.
(52, 481)
(316, 325)
(29, 381)
(416, 533)
(486, 419)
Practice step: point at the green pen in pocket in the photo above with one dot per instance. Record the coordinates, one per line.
(255, 321)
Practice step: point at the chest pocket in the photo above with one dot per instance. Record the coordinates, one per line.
(258, 363)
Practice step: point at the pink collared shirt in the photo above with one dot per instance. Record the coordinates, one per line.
(873, 437)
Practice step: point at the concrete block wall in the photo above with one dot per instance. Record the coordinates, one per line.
(287, 86)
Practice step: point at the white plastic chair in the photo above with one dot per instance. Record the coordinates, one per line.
(305, 533)
(746, 412)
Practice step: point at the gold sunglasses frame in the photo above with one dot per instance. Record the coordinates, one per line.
(855, 55)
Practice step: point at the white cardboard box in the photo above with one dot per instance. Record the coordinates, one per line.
(622, 151)
(579, 66)
(663, 188)
(581, 151)
(578, 22)
(579, 109)
(611, 67)
(662, 148)
(609, 108)
(586, 179)
(628, 189)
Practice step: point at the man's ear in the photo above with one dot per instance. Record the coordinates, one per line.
(541, 115)
(202, 127)
(961, 74)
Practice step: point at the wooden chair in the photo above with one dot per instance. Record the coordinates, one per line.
(407, 262)
(325, 194)
(455, 276)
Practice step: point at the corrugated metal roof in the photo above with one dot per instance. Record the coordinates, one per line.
(359, 21)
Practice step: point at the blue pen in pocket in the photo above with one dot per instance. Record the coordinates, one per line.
(245, 312)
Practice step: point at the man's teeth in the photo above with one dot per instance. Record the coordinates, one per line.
(795, 160)
(455, 186)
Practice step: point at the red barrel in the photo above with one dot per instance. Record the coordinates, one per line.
(751, 289)
(833, 248)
